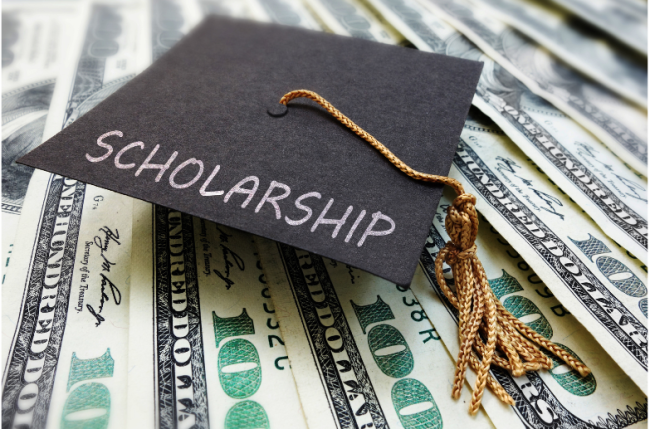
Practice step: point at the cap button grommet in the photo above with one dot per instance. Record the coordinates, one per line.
(277, 110)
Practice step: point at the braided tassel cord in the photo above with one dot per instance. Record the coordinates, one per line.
(485, 326)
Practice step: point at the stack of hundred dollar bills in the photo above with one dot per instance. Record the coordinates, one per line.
(102, 327)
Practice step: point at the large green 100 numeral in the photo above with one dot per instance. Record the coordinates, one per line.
(91, 399)
(240, 371)
(414, 404)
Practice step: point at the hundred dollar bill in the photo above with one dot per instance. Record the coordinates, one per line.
(285, 12)
(619, 124)
(170, 393)
(66, 296)
(205, 349)
(579, 164)
(560, 397)
(364, 354)
(232, 8)
(597, 281)
(353, 19)
(606, 60)
(626, 20)
(165, 23)
(35, 37)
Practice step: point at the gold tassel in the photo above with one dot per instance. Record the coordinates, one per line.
(484, 324)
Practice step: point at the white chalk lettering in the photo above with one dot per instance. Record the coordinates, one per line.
(181, 178)
(162, 167)
(274, 200)
(180, 167)
(338, 222)
(100, 143)
(355, 225)
(203, 191)
(376, 217)
(303, 207)
(237, 189)
(118, 164)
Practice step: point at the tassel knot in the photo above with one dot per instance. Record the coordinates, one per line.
(489, 334)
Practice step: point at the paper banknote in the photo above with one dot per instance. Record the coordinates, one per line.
(625, 20)
(165, 23)
(285, 12)
(595, 280)
(206, 348)
(66, 296)
(554, 212)
(193, 294)
(579, 164)
(35, 38)
(604, 59)
(353, 19)
(559, 398)
(362, 352)
(616, 122)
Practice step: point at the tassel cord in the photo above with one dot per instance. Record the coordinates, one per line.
(509, 343)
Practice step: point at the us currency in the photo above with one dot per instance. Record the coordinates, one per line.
(206, 349)
(606, 60)
(285, 12)
(232, 8)
(164, 24)
(66, 296)
(363, 352)
(560, 397)
(34, 41)
(353, 19)
(619, 124)
(170, 393)
(601, 284)
(580, 165)
(625, 20)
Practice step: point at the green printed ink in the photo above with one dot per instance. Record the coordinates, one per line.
(247, 415)
(621, 276)
(90, 396)
(643, 306)
(88, 369)
(521, 307)
(372, 313)
(505, 285)
(232, 326)
(591, 247)
(240, 384)
(415, 405)
(398, 364)
(568, 378)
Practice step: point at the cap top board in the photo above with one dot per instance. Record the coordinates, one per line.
(195, 132)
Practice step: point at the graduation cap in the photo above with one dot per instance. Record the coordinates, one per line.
(199, 132)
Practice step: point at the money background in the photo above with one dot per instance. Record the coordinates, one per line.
(104, 345)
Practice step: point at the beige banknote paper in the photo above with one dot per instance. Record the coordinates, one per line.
(619, 124)
(559, 398)
(602, 58)
(602, 285)
(625, 20)
(362, 351)
(536, 216)
(205, 349)
(608, 191)
(66, 296)
(36, 37)
(353, 19)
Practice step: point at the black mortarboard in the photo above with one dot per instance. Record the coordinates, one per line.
(203, 107)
